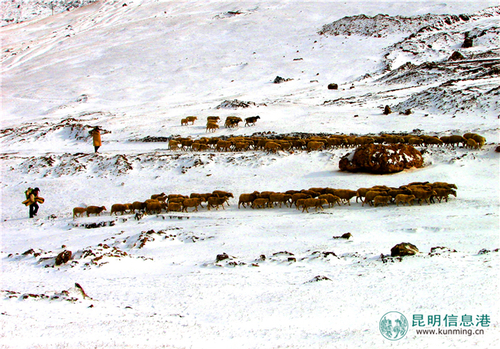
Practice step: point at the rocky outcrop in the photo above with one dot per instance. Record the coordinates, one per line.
(404, 249)
(63, 257)
(382, 159)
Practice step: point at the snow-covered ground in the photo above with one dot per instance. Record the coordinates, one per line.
(137, 70)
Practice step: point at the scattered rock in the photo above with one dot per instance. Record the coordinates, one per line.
(283, 253)
(333, 86)
(456, 56)
(344, 236)
(319, 278)
(497, 149)
(325, 254)
(436, 251)
(382, 159)
(468, 41)
(279, 80)
(94, 225)
(387, 110)
(28, 252)
(404, 249)
(63, 257)
(221, 257)
(235, 104)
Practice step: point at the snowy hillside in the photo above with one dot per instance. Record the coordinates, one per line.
(242, 277)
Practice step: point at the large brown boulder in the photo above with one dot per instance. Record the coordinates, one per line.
(382, 159)
(63, 257)
(404, 249)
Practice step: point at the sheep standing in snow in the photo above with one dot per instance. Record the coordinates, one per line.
(79, 211)
(95, 210)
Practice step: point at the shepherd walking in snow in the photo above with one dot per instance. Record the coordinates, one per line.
(32, 200)
(96, 137)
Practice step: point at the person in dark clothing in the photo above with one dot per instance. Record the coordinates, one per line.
(32, 200)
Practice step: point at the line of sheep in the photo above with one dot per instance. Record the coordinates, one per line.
(374, 196)
(303, 199)
(161, 202)
(315, 143)
(213, 122)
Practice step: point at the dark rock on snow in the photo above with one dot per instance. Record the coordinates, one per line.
(404, 249)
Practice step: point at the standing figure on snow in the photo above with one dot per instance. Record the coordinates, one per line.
(96, 137)
(32, 200)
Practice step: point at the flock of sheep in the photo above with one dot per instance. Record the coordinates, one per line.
(305, 199)
(310, 143)
(213, 122)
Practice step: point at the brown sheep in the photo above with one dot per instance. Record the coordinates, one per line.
(313, 202)
(191, 119)
(232, 121)
(95, 210)
(223, 145)
(361, 192)
(319, 190)
(154, 206)
(260, 202)
(173, 144)
(216, 201)
(247, 198)
(381, 200)
(118, 208)
(192, 202)
(279, 198)
(174, 207)
(314, 145)
(299, 196)
(251, 120)
(176, 196)
(241, 146)
(213, 119)
(332, 199)
(454, 140)
(266, 194)
(345, 194)
(431, 140)
(299, 203)
(480, 140)
(443, 193)
(187, 143)
(472, 144)
(393, 192)
(312, 193)
(137, 205)
(222, 193)
(298, 144)
(415, 140)
(370, 195)
(272, 147)
(212, 127)
(159, 197)
(405, 199)
(443, 185)
(423, 195)
(79, 211)
(184, 122)
(285, 145)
